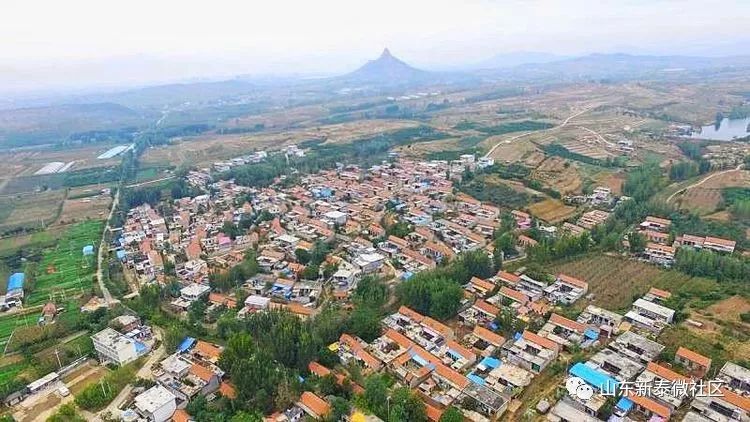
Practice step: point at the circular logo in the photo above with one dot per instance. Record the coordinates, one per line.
(578, 388)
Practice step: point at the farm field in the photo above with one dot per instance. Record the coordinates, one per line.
(30, 210)
(551, 210)
(558, 174)
(206, 149)
(706, 196)
(63, 269)
(82, 209)
(615, 282)
(10, 322)
(26, 162)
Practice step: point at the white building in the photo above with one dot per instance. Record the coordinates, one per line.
(156, 404)
(194, 291)
(338, 217)
(114, 347)
(369, 262)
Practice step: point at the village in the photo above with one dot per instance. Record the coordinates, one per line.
(315, 241)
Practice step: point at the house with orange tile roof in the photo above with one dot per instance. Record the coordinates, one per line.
(313, 405)
(697, 364)
(353, 349)
(318, 369)
(513, 295)
(657, 295)
(480, 313)
(220, 299)
(727, 406)
(206, 351)
(656, 223)
(480, 287)
(484, 341)
(563, 331)
(508, 278)
(531, 351)
(649, 407)
(566, 289)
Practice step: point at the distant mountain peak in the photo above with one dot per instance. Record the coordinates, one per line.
(386, 69)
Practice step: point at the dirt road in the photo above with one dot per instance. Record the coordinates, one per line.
(702, 181)
(560, 126)
(102, 250)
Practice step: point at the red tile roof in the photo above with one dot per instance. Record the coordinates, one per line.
(650, 405)
(318, 369)
(664, 373)
(314, 404)
(488, 336)
(572, 280)
(567, 323)
(486, 307)
(411, 314)
(660, 293)
(693, 357)
(541, 341)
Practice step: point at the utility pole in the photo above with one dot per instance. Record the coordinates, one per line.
(57, 355)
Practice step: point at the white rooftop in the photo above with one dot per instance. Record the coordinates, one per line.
(153, 399)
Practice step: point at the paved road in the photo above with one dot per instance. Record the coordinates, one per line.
(561, 125)
(102, 251)
(704, 180)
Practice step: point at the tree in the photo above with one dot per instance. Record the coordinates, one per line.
(303, 255)
(431, 294)
(173, 335)
(340, 408)
(451, 414)
(372, 291)
(196, 311)
(243, 416)
(637, 242)
(230, 229)
(406, 406)
(365, 322)
(375, 395)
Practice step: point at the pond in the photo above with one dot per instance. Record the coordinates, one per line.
(727, 130)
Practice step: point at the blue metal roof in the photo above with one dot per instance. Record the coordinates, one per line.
(186, 344)
(15, 281)
(594, 378)
(625, 404)
(88, 250)
(120, 254)
(591, 333)
(140, 348)
(490, 362)
(475, 379)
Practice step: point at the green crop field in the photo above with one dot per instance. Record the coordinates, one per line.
(8, 323)
(63, 270)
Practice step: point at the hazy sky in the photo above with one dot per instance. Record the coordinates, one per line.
(85, 38)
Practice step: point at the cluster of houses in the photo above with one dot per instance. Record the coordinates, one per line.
(253, 158)
(658, 249)
(468, 363)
